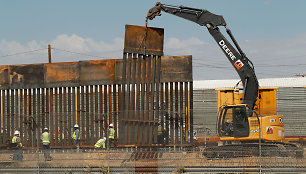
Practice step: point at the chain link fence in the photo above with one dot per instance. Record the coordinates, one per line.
(187, 159)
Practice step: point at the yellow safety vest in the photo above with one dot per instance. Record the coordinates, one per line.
(74, 135)
(100, 143)
(111, 133)
(60, 138)
(17, 140)
(159, 130)
(45, 137)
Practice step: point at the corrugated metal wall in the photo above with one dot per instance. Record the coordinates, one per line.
(291, 102)
(205, 111)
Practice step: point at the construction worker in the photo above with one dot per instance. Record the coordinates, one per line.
(61, 137)
(45, 138)
(17, 146)
(228, 131)
(228, 128)
(160, 135)
(100, 143)
(76, 136)
(111, 135)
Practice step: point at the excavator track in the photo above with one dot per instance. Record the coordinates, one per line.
(252, 149)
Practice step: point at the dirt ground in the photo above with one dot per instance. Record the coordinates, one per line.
(141, 159)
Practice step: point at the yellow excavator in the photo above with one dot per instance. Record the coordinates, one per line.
(244, 132)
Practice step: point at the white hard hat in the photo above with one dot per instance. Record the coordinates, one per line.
(227, 121)
(76, 125)
(16, 132)
(46, 129)
(111, 125)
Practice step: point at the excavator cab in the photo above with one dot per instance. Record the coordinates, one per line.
(233, 121)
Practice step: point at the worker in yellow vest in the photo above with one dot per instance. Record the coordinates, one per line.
(17, 146)
(160, 134)
(76, 136)
(61, 137)
(100, 143)
(111, 135)
(45, 139)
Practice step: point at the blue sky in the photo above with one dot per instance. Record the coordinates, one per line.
(271, 32)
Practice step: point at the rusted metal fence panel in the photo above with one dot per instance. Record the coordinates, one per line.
(61, 74)
(142, 40)
(149, 89)
(135, 94)
(26, 76)
(4, 77)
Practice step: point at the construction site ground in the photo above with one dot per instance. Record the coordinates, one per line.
(124, 158)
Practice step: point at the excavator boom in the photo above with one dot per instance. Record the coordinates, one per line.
(239, 61)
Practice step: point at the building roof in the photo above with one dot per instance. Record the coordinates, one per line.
(263, 83)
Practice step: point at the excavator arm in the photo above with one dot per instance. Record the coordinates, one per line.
(238, 59)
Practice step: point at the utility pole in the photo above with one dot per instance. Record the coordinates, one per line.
(49, 53)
